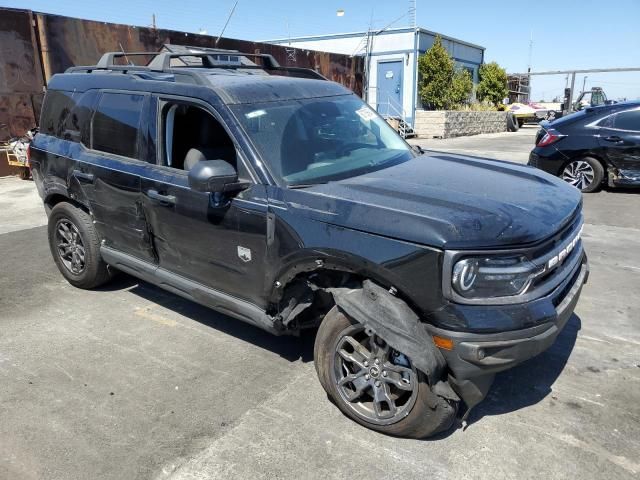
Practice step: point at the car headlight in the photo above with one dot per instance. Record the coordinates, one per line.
(486, 277)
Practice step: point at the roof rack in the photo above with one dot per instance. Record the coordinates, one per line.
(161, 62)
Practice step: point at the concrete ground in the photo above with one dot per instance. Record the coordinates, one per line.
(133, 382)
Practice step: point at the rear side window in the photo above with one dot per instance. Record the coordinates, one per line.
(629, 120)
(57, 107)
(116, 122)
(76, 126)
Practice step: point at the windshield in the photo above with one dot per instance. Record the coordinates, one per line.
(316, 140)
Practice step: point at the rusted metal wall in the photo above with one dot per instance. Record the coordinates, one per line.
(69, 41)
(21, 79)
(34, 46)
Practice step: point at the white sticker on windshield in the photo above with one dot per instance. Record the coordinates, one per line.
(255, 114)
(365, 113)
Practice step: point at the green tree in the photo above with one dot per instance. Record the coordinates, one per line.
(461, 87)
(441, 86)
(436, 71)
(493, 83)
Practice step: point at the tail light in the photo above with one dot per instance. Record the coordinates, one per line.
(551, 136)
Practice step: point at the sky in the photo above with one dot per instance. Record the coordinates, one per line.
(566, 34)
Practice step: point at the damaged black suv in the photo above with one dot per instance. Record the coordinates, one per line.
(283, 200)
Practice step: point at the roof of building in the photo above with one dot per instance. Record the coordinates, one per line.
(388, 31)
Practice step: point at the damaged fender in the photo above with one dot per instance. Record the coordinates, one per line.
(396, 323)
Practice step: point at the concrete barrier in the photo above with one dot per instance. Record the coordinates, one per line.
(451, 123)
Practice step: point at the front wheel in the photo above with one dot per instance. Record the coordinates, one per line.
(374, 384)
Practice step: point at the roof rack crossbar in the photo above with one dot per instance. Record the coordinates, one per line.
(107, 60)
(162, 61)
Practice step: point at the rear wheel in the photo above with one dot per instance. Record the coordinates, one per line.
(75, 247)
(374, 384)
(586, 174)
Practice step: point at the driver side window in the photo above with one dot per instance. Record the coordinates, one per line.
(191, 134)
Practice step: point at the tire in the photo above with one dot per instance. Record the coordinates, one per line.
(422, 413)
(75, 246)
(586, 174)
(25, 173)
(512, 123)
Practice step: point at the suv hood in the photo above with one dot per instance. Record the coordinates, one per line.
(445, 201)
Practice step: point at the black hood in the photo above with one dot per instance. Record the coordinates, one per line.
(446, 201)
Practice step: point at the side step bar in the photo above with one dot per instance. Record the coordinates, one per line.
(219, 301)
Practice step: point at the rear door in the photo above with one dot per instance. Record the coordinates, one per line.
(620, 137)
(108, 172)
(219, 245)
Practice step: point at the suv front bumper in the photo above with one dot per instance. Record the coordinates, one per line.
(474, 358)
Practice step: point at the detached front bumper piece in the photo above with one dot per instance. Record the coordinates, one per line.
(474, 358)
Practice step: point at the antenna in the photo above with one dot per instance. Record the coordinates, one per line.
(226, 23)
(412, 13)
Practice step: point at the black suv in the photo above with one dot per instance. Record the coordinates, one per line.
(283, 200)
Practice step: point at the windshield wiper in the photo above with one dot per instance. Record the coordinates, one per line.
(295, 186)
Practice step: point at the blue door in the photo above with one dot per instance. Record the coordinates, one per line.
(389, 94)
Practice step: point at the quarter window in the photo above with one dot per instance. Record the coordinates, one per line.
(57, 106)
(116, 122)
(629, 120)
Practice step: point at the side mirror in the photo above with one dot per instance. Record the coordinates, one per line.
(417, 149)
(213, 176)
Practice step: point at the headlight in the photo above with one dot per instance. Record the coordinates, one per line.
(485, 277)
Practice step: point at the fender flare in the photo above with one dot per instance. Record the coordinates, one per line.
(396, 323)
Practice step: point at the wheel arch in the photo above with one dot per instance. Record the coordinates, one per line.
(55, 197)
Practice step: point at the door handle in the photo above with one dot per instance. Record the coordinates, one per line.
(614, 138)
(163, 199)
(83, 176)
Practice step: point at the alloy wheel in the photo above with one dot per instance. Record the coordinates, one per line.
(579, 174)
(69, 246)
(376, 382)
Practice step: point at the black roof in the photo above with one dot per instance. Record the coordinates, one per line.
(231, 83)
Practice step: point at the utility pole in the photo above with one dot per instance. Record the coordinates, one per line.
(529, 66)
(153, 21)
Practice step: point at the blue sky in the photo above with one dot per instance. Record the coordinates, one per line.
(566, 33)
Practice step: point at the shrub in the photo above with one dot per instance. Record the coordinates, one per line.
(493, 83)
(442, 87)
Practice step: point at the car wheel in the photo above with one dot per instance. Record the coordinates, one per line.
(374, 384)
(586, 174)
(75, 246)
(512, 123)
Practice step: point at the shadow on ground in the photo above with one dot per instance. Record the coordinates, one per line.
(289, 347)
(531, 381)
(520, 387)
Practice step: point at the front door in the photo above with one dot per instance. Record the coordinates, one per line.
(620, 136)
(389, 91)
(221, 245)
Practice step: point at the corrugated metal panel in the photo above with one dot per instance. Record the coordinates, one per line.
(21, 79)
(69, 41)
